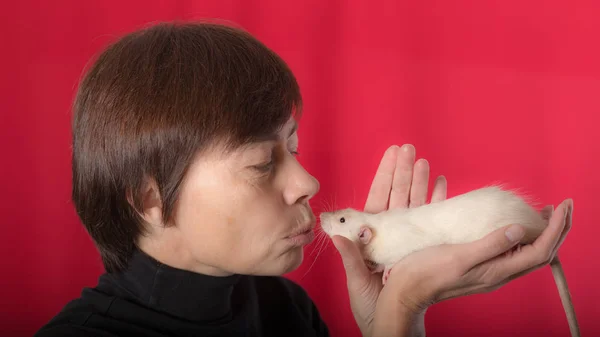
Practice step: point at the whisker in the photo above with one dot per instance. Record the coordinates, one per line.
(317, 248)
(323, 204)
(324, 242)
(328, 207)
(321, 243)
(324, 238)
(316, 243)
(319, 235)
(335, 204)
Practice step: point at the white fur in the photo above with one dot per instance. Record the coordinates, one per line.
(463, 218)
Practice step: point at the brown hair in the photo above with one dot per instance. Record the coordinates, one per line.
(153, 100)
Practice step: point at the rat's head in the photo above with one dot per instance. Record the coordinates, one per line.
(349, 223)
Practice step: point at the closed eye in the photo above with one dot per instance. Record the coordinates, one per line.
(265, 167)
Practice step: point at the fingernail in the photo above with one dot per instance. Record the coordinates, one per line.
(570, 208)
(514, 233)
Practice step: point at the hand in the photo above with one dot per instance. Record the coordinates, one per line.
(448, 271)
(399, 182)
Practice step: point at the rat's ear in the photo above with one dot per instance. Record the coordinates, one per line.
(365, 234)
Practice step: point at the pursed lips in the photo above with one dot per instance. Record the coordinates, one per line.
(307, 222)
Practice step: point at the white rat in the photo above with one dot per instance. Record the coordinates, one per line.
(385, 238)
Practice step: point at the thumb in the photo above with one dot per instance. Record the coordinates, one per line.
(351, 257)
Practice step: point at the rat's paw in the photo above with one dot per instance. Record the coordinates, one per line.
(514, 249)
(386, 274)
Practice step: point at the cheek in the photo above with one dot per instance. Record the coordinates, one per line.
(350, 233)
(235, 223)
(337, 229)
(202, 215)
(332, 229)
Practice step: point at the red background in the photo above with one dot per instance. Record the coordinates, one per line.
(487, 91)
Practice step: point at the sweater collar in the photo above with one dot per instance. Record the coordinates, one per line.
(185, 294)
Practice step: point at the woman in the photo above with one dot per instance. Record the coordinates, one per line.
(185, 177)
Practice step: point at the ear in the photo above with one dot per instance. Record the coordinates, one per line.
(365, 234)
(151, 204)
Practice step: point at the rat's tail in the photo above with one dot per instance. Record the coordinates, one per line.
(565, 296)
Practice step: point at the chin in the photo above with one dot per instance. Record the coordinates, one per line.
(292, 260)
(298, 258)
(286, 262)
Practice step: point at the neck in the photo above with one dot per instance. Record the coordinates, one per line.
(181, 293)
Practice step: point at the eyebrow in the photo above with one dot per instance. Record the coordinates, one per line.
(293, 129)
(274, 137)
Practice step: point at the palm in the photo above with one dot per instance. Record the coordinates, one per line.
(400, 182)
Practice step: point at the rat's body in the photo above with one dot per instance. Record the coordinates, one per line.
(464, 218)
(387, 237)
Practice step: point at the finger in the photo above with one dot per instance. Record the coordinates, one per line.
(490, 246)
(440, 189)
(524, 272)
(563, 235)
(538, 253)
(508, 278)
(354, 265)
(546, 214)
(379, 193)
(550, 237)
(420, 181)
(467, 290)
(399, 196)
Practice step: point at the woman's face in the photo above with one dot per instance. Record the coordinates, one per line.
(241, 212)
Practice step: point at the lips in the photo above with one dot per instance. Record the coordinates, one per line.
(308, 223)
(304, 229)
(303, 236)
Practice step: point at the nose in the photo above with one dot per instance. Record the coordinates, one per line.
(300, 186)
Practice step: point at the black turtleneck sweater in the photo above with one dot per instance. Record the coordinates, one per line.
(153, 299)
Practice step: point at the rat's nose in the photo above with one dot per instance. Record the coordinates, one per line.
(324, 216)
(323, 219)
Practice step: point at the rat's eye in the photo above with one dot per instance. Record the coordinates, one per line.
(342, 220)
